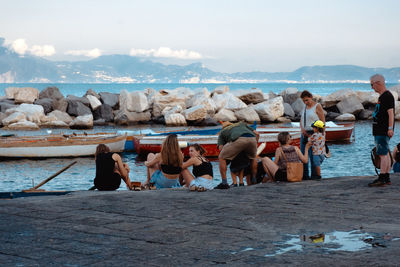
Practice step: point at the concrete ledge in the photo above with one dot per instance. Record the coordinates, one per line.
(238, 226)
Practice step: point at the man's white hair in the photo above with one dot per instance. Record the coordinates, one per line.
(377, 78)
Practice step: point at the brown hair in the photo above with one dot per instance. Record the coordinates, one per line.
(283, 138)
(102, 148)
(198, 148)
(170, 152)
(305, 93)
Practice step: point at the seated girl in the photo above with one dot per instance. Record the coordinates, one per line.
(164, 168)
(202, 177)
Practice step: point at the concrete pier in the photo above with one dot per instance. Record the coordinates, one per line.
(239, 226)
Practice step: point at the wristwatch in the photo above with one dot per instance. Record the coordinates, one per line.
(390, 128)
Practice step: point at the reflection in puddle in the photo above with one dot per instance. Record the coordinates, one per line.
(336, 241)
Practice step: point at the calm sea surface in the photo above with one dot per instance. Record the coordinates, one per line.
(347, 159)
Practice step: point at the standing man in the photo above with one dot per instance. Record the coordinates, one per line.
(382, 128)
(233, 139)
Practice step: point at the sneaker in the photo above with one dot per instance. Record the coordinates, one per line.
(222, 186)
(241, 184)
(234, 185)
(377, 182)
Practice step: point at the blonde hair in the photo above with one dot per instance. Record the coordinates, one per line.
(170, 152)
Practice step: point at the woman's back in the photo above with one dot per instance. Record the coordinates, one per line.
(105, 165)
(290, 154)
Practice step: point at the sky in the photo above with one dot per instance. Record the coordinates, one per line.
(224, 35)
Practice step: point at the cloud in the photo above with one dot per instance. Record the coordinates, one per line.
(165, 52)
(43, 51)
(20, 47)
(93, 53)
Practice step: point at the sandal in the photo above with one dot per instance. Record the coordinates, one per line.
(193, 188)
(201, 189)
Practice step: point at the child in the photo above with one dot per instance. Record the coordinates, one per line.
(318, 146)
(396, 157)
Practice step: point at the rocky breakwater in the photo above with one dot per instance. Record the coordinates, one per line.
(27, 108)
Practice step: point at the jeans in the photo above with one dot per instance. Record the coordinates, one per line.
(305, 166)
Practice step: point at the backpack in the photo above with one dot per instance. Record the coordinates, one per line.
(376, 160)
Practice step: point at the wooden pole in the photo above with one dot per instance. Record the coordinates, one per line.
(51, 177)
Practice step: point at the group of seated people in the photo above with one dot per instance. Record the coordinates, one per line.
(168, 169)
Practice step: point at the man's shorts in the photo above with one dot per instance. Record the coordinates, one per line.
(317, 160)
(382, 144)
(245, 144)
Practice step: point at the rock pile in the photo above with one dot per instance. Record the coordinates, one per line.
(27, 108)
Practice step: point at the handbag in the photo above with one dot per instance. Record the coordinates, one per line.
(294, 170)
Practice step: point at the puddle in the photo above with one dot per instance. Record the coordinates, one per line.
(336, 241)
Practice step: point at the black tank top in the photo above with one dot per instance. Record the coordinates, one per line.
(104, 166)
(169, 169)
(203, 169)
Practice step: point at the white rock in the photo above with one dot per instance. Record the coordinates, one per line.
(350, 105)
(174, 119)
(228, 101)
(288, 110)
(195, 113)
(167, 98)
(298, 106)
(171, 110)
(289, 91)
(23, 125)
(395, 88)
(252, 96)
(270, 110)
(247, 114)
(82, 122)
(140, 101)
(57, 124)
(13, 118)
(335, 97)
(225, 115)
(47, 119)
(346, 117)
(202, 99)
(94, 101)
(22, 94)
(221, 89)
(61, 116)
(368, 97)
(33, 113)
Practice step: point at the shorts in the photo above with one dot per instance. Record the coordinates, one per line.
(245, 144)
(382, 144)
(203, 182)
(317, 160)
(160, 181)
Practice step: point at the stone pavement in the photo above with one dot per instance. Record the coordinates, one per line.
(239, 226)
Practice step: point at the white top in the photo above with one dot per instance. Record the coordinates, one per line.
(310, 115)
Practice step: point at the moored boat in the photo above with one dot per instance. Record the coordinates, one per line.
(59, 145)
(334, 132)
(152, 144)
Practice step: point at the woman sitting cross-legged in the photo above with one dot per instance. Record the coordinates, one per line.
(164, 168)
(110, 170)
(202, 178)
(276, 170)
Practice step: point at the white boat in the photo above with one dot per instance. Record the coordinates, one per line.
(58, 145)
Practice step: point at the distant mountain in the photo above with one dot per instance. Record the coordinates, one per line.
(123, 68)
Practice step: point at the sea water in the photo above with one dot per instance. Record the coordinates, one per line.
(348, 159)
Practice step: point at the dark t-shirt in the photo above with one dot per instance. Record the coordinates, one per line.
(381, 117)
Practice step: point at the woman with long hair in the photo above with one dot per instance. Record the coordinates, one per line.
(202, 177)
(312, 111)
(164, 168)
(110, 170)
(276, 170)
